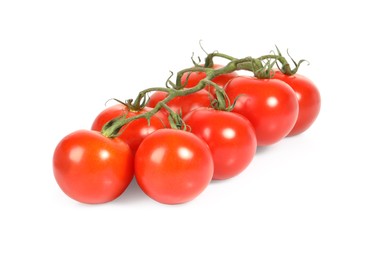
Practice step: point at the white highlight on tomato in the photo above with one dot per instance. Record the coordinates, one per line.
(104, 154)
(184, 153)
(158, 155)
(76, 154)
(272, 101)
(228, 133)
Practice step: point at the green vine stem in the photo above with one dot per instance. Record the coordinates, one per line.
(257, 66)
(221, 102)
(112, 128)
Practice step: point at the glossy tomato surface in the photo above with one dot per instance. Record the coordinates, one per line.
(92, 168)
(173, 166)
(135, 131)
(191, 79)
(230, 137)
(269, 104)
(309, 100)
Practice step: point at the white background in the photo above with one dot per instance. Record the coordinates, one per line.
(306, 197)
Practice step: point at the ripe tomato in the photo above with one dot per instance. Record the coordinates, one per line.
(230, 137)
(135, 131)
(156, 97)
(183, 104)
(195, 77)
(173, 166)
(309, 100)
(270, 105)
(92, 168)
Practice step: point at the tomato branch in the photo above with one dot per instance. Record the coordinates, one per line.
(257, 66)
(112, 128)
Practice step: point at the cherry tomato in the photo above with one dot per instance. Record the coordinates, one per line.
(156, 97)
(173, 166)
(182, 104)
(230, 137)
(195, 77)
(135, 131)
(309, 100)
(269, 104)
(92, 168)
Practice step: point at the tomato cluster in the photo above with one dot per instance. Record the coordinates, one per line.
(208, 127)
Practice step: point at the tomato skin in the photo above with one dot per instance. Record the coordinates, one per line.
(182, 104)
(309, 100)
(195, 77)
(230, 137)
(156, 97)
(269, 104)
(133, 133)
(173, 166)
(91, 168)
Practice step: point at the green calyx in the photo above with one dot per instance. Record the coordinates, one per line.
(284, 66)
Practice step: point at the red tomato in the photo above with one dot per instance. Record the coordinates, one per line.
(156, 97)
(173, 166)
(135, 131)
(270, 105)
(92, 168)
(308, 97)
(230, 137)
(183, 104)
(195, 77)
